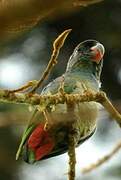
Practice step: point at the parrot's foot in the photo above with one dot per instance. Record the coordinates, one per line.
(61, 88)
(48, 121)
(88, 93)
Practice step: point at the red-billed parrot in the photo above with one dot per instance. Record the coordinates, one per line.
(82, 74)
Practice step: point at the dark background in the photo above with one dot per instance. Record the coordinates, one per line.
(25, 58)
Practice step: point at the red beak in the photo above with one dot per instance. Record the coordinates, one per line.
(97, 52)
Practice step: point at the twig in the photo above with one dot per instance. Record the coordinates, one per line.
(45, 100)
(111, 109)
(25, 87)
(58, 43)
(102, 160)
(37, 99)
(72, 157)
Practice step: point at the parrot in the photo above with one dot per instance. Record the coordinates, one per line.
(82, 74)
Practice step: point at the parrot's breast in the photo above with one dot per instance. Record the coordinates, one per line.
(83, 115)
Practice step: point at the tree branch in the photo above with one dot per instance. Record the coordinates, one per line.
(46, 100)
(72, 157)
(102, 160)
(58, 43)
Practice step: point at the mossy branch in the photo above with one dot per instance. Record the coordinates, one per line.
(102, 160)
(37, 99)
(72, 157)
(58, 98)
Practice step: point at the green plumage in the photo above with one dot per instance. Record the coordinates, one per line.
(82, 74)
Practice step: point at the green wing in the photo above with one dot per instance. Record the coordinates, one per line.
(24, 137)
(31, 125)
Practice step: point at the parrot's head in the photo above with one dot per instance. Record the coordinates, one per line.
(87, 55)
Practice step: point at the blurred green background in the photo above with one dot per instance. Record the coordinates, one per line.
(25, 58)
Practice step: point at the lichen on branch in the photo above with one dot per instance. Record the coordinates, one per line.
(58, 98)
